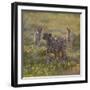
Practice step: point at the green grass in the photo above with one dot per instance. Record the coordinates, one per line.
(35, 64)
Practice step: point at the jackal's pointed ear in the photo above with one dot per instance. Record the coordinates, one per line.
(68, 29)
(50, 34)
(40, 29)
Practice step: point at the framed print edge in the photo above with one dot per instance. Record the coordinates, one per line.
(14, 44)
(86, 21)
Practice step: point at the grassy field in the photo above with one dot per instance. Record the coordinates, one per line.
(34, 62)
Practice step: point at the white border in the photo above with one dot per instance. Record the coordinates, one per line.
(82, 48)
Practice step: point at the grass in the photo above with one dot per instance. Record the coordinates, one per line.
(35, 64)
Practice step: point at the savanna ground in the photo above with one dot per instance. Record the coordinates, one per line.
(34, 58)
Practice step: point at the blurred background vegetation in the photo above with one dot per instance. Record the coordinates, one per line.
(34, 61)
